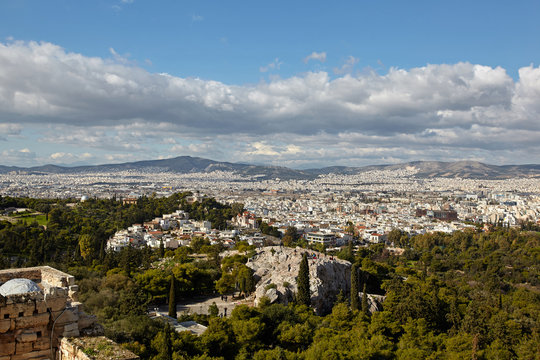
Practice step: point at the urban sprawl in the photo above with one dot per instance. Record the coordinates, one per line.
(328, 210)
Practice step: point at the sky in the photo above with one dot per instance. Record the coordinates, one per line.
(301, 84)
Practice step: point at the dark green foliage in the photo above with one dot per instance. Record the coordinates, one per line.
(172, 298)
(450, 296)
(213, 310)
(291, 236)
(365, 305)
(267, 229)
(355, 305)
(303, 296)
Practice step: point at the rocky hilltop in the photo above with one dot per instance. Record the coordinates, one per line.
(276, 269)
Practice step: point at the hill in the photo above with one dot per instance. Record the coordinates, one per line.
(188, 164)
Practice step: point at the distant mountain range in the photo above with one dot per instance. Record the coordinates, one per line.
(188, 164)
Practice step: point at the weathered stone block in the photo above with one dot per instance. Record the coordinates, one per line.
(41, 307)
(5, 325)
(71, 330)
(42, 344)
(41, 355)
(55, 303)
(27, 336)
(23, 348)
(15, 309)
(32, 321)
(7, 348)
(65, 317)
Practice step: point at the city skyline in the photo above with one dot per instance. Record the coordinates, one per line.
(299, 85)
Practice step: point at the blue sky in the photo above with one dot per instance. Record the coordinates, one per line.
(300, 84)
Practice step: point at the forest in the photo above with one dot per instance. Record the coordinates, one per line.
(466, 295)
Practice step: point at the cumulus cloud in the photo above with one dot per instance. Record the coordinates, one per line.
(438, 110)
(319, 56)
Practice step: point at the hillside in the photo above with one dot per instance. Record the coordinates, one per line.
(188, 164)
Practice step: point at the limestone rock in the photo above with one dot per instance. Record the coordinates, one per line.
(374, 301)
(279, 266)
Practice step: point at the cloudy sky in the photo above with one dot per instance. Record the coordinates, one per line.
(292, 83)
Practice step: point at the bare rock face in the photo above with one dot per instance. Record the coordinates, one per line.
(374, 301)
(276, 269)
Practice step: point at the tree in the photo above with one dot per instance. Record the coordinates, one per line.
(394, 237)
(303, 296)
(355, 305)
(365, 304)
(172, 299)
(290, 237)
(350, 228)
(161, 249)
(213, 310)
(168, 342)
(244, 279)
(85, 246)
(237, 208)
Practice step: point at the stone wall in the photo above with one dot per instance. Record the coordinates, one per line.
(32, 323)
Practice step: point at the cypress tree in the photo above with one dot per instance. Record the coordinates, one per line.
(355, 304)
(168, 342)
(350, 250)
(161, 249)
(172, 299)
(365, 306)
(303, 296)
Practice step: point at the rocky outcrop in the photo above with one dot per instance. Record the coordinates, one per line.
(276, 269)
(374, 301)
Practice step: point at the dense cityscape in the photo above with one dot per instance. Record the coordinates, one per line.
(294, 180)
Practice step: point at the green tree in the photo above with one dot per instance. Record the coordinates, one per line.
(365, 304)
(86, 246)
(290, 237)
(161, 249)
(303, 296)
(172, 298)
(394, 237)
(244, 279)
(213, 310)
(237, 208)
(355, 305)
(162, 344)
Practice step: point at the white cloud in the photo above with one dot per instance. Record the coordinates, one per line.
(273, 65)
(9, 130)
(22, 157)
(261, 148)
(319, 56)
(67, 158)
(196, 18)
(435, 111)
(347, 66)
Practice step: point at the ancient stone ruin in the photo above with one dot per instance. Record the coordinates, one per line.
(276, 269)
(38, 309)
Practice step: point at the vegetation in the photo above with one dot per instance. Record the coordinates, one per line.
(354, 288)
(304, 294)
(172, 299)
(466, 295)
